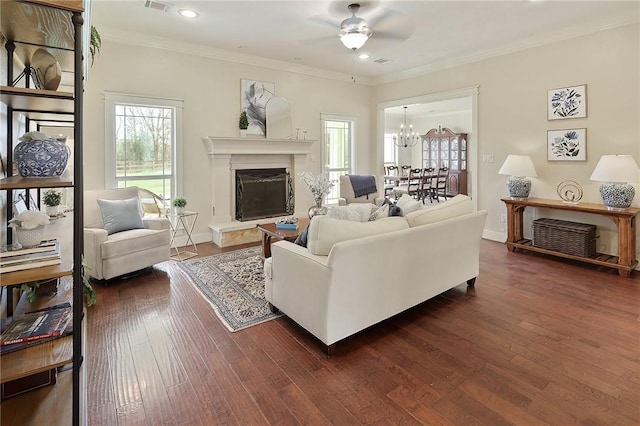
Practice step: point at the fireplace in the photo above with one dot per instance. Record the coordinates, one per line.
(263, 193)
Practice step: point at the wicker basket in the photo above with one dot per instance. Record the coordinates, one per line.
(578, 239)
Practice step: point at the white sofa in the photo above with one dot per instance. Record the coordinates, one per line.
(111, 255)
(354, 275)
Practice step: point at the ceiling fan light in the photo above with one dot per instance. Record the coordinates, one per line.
(354, 40)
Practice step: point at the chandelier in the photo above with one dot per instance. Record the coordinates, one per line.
(406, 137)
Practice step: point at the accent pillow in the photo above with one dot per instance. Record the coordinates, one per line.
(457, 206)
(408, 204)
(302, 237)
(357, 212)
(326, 231)
(382, 212)
(120, 215)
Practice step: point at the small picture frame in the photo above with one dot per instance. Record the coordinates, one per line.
(567, 145)
(567, 102)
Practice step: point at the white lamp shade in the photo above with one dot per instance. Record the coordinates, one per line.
(354, 40)
(518, 165)
(616, 168)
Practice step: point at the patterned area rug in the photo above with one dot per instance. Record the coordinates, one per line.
(233, 283)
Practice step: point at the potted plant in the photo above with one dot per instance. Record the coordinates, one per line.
(95, 43)
(52, 198)
(179, 203)
(50, 286)
(243, 123)
(29, 227)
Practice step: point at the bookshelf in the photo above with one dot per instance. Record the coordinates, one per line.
(26, 26)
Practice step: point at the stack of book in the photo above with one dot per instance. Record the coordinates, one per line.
(287, 223)
(36, 327)
(46, 254)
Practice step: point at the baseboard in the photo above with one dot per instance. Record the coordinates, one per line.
(500, 237)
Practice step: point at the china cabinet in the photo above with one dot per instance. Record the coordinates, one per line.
(443, 148)
(55, 27)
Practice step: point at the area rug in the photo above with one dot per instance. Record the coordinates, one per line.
(233, 283)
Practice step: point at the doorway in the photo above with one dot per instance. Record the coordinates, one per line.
(457, 109)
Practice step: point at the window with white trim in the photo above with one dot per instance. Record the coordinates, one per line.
(143, 144)
(338, 134)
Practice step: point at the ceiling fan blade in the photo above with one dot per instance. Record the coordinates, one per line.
(390, 23)
(319, 40)
(324, 22)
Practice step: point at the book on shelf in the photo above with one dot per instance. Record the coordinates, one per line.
(44, 246)
(20, 262)
(12, 347)
(37, 325)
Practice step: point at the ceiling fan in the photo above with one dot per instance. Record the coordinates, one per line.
(354, 31)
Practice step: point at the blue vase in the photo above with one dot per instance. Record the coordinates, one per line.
(45, 158)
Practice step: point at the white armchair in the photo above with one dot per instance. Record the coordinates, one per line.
(109, 251)
(348, 196)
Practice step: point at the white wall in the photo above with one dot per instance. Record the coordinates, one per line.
(513, 113)
(211, 93)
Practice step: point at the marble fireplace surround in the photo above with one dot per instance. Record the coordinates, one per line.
(226, 155)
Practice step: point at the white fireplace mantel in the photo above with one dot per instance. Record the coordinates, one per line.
(226, 155)
(217, 145)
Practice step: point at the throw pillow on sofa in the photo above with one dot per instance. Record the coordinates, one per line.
(326, 231)
(120, 215)
(380, 213)
(457, 206)
(408, 204)
(358, 212)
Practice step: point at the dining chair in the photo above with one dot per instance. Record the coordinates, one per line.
(389, 183)
(439, 187)
(414, 183)
(428, 175)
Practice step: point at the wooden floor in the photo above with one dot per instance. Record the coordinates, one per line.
(537, 341)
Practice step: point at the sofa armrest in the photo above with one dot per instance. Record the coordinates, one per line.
(156, 223)
(93, 239)
(342, 201)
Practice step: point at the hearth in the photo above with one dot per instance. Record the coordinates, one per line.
(263, 193)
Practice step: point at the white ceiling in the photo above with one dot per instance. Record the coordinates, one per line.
(415, 36)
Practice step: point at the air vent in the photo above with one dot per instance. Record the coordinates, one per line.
(158, 5)
(382, 61)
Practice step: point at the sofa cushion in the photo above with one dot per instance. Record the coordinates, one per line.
(326, 231)
(132, 241)
(120, 215)
(358, 212)
(408, 204)
(457, 206)
(301, 240)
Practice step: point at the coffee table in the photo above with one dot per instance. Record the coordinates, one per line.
(270, 233)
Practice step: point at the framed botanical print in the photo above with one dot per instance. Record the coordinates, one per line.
(254, 96)
(567, 102)
(567, 145)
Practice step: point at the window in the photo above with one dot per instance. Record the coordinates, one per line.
(390, 149)
(143, 145)
(338, 134)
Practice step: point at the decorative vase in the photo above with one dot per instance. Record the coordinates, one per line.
(52, 211)
(41, 158)
(29, 237)
(179, 210)
(243, 133)
(317, 209)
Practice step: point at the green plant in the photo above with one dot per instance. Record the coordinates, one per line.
(32, 288)
(87, 288)
(52, 198)
(95, 43)
(244, 121)
(179, 202)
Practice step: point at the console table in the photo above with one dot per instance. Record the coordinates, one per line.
(625, 221)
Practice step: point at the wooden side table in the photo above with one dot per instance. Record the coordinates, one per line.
(270, 232)
(625, 221)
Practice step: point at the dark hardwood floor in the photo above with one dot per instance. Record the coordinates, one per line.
(537, 341)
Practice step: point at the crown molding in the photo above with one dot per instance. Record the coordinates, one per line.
(541, 40)
(145, 40)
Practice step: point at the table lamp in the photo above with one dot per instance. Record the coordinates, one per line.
(518, 166)
(616, 171)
